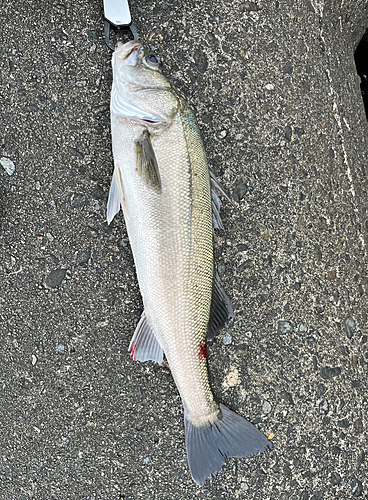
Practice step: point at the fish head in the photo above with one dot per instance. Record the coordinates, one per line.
(140, 90)
(134, 68)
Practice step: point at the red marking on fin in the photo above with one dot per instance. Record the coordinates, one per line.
(136, 169)
(202, 351)
(133, 352)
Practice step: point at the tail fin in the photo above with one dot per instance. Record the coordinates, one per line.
(208, 446)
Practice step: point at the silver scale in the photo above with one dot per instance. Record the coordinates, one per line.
(117, 17)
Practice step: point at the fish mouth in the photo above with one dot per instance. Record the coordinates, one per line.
(128, 52)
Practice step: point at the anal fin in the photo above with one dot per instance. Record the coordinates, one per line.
(144, 346)
(221, 310)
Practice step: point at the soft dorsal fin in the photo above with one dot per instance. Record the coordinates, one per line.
(144, 345)
(146, 162)
(221, 310)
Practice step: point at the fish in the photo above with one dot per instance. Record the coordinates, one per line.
(170, 200)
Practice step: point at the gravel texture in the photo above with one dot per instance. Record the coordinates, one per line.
(277, 98)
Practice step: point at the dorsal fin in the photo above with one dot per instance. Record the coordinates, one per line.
(221, 310)
(216, 190)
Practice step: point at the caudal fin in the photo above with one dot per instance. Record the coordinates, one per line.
(208, 446)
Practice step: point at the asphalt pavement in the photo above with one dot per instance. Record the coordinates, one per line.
(277, 98)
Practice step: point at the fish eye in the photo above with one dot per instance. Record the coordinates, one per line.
(152, 61)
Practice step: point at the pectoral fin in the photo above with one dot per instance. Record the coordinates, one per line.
(146, 162)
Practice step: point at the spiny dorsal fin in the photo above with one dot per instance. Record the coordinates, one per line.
(146, 161)
(216, 217)
(221, 310)
(144, 345)
(216, 190)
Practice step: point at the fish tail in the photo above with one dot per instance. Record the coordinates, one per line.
(209, 445)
